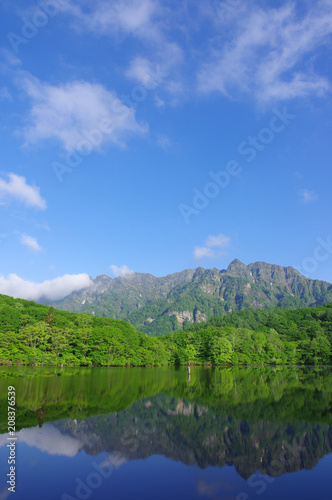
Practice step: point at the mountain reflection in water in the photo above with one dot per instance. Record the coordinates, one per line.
(261, 424)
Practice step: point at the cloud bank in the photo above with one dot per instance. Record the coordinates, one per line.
(55, 289)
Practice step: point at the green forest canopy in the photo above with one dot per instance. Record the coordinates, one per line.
(34, 334)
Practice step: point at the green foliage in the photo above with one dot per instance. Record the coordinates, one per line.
(276, 336)
(221, 350)
(32, 334)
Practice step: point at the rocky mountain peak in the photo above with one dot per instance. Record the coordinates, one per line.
(236, 264)
(157, 305)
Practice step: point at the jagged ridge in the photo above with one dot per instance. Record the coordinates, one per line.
(159, 305)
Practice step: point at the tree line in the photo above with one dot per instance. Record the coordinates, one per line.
(34, 334)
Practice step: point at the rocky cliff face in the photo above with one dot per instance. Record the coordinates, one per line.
(159, 305)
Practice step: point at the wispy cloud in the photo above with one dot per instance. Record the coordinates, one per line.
(200, 252)
(144, 72)
(163, 66)
(264, 50)
(121, 272)
(164, 142)
(55, 289)
(134, 17)
(307, 196)
(23, 216)
(147, 21)
(16, 188)
(76, 113)
(218, 241)
(30, 242)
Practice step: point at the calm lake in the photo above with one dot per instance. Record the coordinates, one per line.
(164, 433)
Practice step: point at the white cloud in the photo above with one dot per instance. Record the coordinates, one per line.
(55, 289)
(200, 252)
(18, 189)
(81, 115)
(220, 241)
(30, 242)
(145, 72)
(122, 272)
(165, 59)
(119, 16)
(148, 22)
(264, 51)
(307, 196)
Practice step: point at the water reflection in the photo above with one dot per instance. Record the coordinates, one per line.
(190, 433)
(263, 425)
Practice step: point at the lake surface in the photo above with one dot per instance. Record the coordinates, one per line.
(145, 433)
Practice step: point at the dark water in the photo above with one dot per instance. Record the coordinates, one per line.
(127, 433)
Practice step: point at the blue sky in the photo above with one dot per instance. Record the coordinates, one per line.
(156, 136)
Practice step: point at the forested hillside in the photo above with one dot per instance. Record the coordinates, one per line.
(263, 336)
(34, 334)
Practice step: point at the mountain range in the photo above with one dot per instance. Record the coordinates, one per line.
(158, 305)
